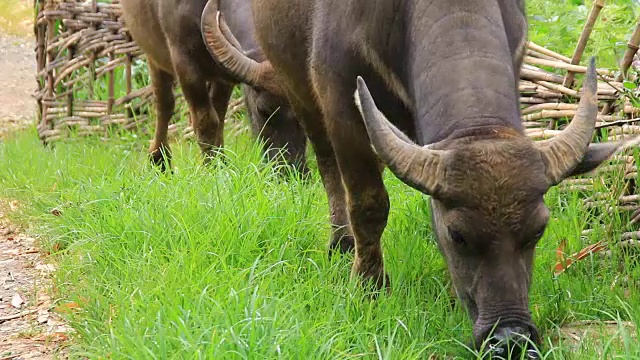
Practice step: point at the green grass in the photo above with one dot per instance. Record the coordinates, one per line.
(230, 261)
(557, 24)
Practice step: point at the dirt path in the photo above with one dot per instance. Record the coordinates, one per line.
(17, 82)
(29, 329)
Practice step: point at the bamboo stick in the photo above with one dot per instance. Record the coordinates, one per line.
(565, 66)
(582, 41)
(632, 49)
(533, 46)
(549, 106)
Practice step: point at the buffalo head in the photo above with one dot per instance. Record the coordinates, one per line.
(487, 196)
(273, 120)
(487, 203)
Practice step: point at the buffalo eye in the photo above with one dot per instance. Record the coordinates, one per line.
(456, 236)
(534, 240)
(538, 234)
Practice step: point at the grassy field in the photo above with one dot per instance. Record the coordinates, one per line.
(230, 261)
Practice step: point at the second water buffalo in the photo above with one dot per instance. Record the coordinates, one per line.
(168, 31)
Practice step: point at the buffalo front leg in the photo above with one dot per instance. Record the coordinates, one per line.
(342, 240)
(367, 207)
(220, 94)
(311, 121)
(366, 197)
(162, 85)
(204, 118)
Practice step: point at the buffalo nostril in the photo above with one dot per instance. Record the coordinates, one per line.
(508, 342)
(532, 354)
(512, 334)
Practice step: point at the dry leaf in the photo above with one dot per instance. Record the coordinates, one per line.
(560, 255)
(54, 337)
(17, 301)
(47, 268)
(591, 249)
(563, 265)
(57, 247)
(67, 307)
(53, 322)
(13, 205)
(42, 298)
(56, 212)
(42, 318)
(561, 260)
(59, 336)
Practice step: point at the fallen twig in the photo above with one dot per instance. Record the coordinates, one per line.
(16, 316)
(616, 122)
(9, 357)
(598, 322)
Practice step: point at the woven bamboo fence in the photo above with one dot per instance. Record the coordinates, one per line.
(549, 97)
(92, 79)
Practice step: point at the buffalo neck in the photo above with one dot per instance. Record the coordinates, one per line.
(460, 70)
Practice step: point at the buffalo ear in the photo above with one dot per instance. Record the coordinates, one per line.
(596, 154)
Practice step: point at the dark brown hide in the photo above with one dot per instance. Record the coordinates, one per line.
(445, 120)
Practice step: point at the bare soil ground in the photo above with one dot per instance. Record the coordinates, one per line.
(17, 82)
(29, 327)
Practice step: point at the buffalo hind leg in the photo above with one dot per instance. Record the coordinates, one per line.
(162, 84)
(204, 118)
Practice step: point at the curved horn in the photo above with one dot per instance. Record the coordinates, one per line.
(226, 50)
(565, 151)
(419, 167)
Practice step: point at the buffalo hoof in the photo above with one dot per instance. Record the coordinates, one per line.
(303, 173)
(286, 171)
(161, 158)
(453, 298)
(343, 245)
(214, 157)
(375, 280)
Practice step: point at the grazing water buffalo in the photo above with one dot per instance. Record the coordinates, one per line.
(168, 31)
(445, 120)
